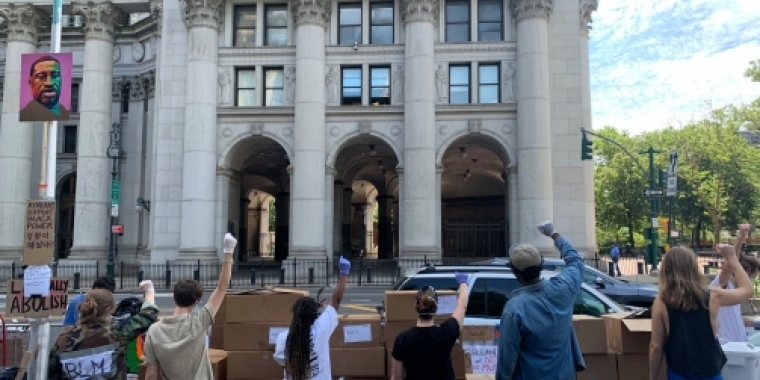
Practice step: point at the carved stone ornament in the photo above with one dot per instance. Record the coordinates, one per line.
(523, 9)
(257, 129)
(419, 10)
(138, 51)
(101, 20)
(474, 126)
(587, 8)
(148, 81)
(364, 127)
(117, 86)
(2, 87)
(3, 48)
(136, 90)
(315, 12)
(23, 21)
(157, 13)
(208, 13)
(116, 54)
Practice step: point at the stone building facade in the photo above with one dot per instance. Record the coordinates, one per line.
(404, 128)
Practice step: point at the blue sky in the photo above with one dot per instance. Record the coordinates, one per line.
(666, 62)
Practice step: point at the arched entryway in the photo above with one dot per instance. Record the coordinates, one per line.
(64, 226)
(474, 198)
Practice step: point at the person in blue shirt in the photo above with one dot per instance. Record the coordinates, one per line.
(72, 313)
(537, 340)
(615, 256)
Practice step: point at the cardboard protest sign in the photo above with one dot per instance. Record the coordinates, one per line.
(16, 305)
(39, 233)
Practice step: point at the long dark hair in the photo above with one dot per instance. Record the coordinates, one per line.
(299, 345)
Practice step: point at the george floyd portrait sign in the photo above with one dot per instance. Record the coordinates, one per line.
(45, 87)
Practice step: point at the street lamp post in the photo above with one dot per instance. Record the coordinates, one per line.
(114, 152)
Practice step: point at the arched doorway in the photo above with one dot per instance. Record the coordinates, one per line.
(366, 198)
(474, 204)
(64, 226)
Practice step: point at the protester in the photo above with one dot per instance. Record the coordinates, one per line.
(94, 349)
(730, 322)
(72, 313)
(424, 351)
(684, 316)
(177, 344)
(615, 256)
(537, 340)
(304, 350)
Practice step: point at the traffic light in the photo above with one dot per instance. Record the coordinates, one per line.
(587, 150)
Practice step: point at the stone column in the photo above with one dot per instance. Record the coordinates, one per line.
(419, 17)
(348, 193)
(369, 229)
(197, 239)
(91, 211)
(23, 22)
(438, 208)
(534, 189)
(514, 212)
(311, 18)
(337, 221)
(264, 241)
(587, 8)
(329, 209)
(243, 231)
(384, 227)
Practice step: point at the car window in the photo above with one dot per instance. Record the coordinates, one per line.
(418, 283)
(588, 304)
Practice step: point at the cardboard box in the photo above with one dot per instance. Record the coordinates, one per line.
(221, 315)
(216, 339)
(262, 305)
(591, 334)
(636, 367)
(627, 333)
(599, 367)
(482, 377)
(252, 365)
(252, 336)
(357, 331)
(219, 366)
(399, 305)
(364, 362)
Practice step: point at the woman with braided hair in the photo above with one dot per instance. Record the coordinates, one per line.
(304, 350)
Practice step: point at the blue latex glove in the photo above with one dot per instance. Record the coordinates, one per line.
(547, 228)
(344, 265)
(461, 277)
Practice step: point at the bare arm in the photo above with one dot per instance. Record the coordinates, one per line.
(398, 370)
(657, 340)
(462, 298)
(217, 297)
(344, 266)
(743, 291)
(726, 273)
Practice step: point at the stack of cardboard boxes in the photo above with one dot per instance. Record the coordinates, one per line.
(356, 348)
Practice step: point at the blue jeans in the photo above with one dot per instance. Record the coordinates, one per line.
(673, 376)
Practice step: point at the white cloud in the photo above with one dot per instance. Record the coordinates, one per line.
(657, 63)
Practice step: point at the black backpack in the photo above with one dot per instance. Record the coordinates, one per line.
(127, 308)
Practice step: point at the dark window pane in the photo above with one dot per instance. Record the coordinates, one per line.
(350, 34)
(381, 77)
(489, 10)
(274, 78)
(460, 75)
(350, 15)
(277, 37)
(489, 93)
(588, 304)
(245, 17)
(457, 33)
(457, 11)
(382, 35)
(277, 16)
(489, 74)
(245, 37)
(70, 139)
(75, 97)
(436, 283)
(459, 95)
(246, 79)
(352, 92)
(489, 32)
(246, 98)
(382, 15)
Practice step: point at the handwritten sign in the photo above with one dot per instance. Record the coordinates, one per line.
(477, 333)
(37, 281)
(446, 304)
(274, 332)
(357, 333)
(16, 305)
(96, 363)
(482, 358)
(39, 233)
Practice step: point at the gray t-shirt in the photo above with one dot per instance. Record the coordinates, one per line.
(178, 345)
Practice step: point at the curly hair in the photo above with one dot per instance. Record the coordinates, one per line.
(299, 346)
(681, 284)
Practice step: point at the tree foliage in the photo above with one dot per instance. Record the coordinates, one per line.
(753, 72)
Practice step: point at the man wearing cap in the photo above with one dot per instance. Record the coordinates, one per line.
(537, 340)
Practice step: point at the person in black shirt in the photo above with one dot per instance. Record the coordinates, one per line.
(424, 351)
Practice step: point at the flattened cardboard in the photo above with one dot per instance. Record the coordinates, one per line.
(262, 305)
(636, 367)
(399, 304)
(39, 233)
(477, 333)
(250, 336)
(337, 338)
(249, 365)
(627, 333)
(364, 362)
(599, 367)
(16, 305)
(591, 334)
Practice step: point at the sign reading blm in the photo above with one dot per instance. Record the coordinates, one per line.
(16, 305)
(45, 92)
(39, 233)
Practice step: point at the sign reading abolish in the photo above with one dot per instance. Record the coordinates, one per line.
(16, 305)
(39, 233)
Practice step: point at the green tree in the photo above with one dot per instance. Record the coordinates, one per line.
(753, 72)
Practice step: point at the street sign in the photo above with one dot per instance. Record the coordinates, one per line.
(672, 174)
(115, 188)
(655, 223)
(117, 229)
(654, 193)
(115, 210)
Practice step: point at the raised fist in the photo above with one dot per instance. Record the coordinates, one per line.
(726, 250)
(547, 228)
(229, 243)
(147, 286)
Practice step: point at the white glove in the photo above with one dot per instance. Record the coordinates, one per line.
(229, 243)
(147, 286)
(547, 228)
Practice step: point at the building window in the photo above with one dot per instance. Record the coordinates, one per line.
(459, 84)
(488, 82)
(381, 85)
(69, 139)
(350, 21)
(457, 21)
(75, 97)
(490, 20)
(125, 98)
(276, 25)
(245, 26)
(381, 23)
(352, 86)
(274, 87)
(245, 91)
